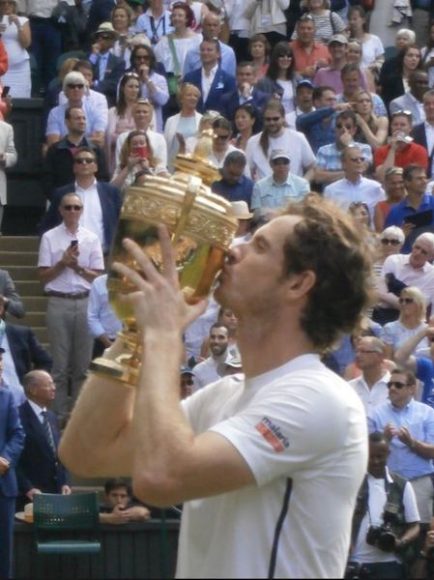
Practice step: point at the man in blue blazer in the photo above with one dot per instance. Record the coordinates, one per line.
(101, 201)
(39, 469)
(212, 81)
(11, 445)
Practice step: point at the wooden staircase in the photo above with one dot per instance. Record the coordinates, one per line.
(19, 256)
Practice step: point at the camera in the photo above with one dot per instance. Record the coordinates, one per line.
(381, 537)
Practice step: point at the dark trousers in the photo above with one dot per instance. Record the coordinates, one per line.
(385, 571)
(46, 47)
(7, 513)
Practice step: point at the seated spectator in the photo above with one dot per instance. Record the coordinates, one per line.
(245, 122)
(353, 187)
(184, 124)
(120, 117)
(245, 93)
(412, 316)
(412, 100)
(371, 386)
(186, 382)
(309, 54)
(12, 302)
(143, 113)
(402, 270)
(119, 506)
(394, 79)
(211, 28)
(422, 133)
(303, 102)
(395, 193)
(51, 97)
(213, 82)
(390, 241)
(361, 214)
(276, 136)
(155, 22)
(101, 201)
(400, 150)
(280, 80)
(74, 87)
(371, 129)
(108, 68)
(319, 125)
(259, 52)
(234, 185)
(153, 85)
(136, 155)
(351, 86)
(16, 37)
(280, 188)
(267, 18)
(221, 144)
(102, 322)
(58, 163)
(417, 204)
(354, 56)
(22, 352)
(226, 317)
(98, 100)
(329, 157)
(39, 469)
(327, 23)
(330, 76)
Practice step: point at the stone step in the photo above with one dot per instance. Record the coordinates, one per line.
(23, 272)
(19, 243)
(17, 258)
(29, 288)
(32, 319)
(35, 303)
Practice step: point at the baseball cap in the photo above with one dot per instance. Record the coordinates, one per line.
(279, 154)
(339, 38)
(305, 83)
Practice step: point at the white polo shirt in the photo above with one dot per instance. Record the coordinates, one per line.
(299, 421)
(371, 397)
(344, 192)
(399, 265)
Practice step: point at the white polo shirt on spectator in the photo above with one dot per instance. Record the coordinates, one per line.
(372, 396)
(399, 265)
(344, 192)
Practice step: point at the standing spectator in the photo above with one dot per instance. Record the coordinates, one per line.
(371, 386)
(212, 368)
(46, 38)
(101, 201)
(309, 54)
(267, 18)
(213, 82)
(39, 469)
(155, 22)
(353, 187)
(276, 136)
(11, 444)
(372, 47)
(122, 20)
(280, 79)
(259, 55)
(234, 185)
(70, 258)
(103, 323)
(11, 299)
(58, 164)
(16, 36)
(8, 158)
(275, 192)
(417, 201)
(108, 68)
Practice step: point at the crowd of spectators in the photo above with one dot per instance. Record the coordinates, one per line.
(308, 97)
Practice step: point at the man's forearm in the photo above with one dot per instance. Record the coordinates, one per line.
(404, 352)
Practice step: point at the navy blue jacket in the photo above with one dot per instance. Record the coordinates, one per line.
(222, 84)
(231, 101)
(111, 202)
(11, 443)
(38, 466)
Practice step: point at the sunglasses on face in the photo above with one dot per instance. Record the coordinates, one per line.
(396, 384)
(386, 242)
(73, 207)
(406, 300)
(76, 86)
(84, 160)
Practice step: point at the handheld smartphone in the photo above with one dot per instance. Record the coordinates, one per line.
(74, 243)
(5, 92)
(141, 151)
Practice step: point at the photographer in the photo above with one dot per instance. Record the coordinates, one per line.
(385, 521)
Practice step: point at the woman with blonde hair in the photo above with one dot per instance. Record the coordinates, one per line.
(412, 319)
(136, 155)
(371, 129)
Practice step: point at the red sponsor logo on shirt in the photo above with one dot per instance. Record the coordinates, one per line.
(272, 434)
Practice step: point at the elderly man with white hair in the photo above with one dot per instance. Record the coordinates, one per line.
(75, 88)
(402, 270)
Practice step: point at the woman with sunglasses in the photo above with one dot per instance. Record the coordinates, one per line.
(280, 80)
(412, 319)
(120, 117)
(221, 146)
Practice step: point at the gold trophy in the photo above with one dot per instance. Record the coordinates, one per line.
(202, 226)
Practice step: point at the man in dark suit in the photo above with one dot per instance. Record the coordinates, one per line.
(419, 132)
(211, 80)
(11, 299)
(39, 469)
(108, 68)
(101, 201)
(11, 445)
(244, 93)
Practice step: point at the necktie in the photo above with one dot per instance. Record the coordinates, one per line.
(48, 432)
